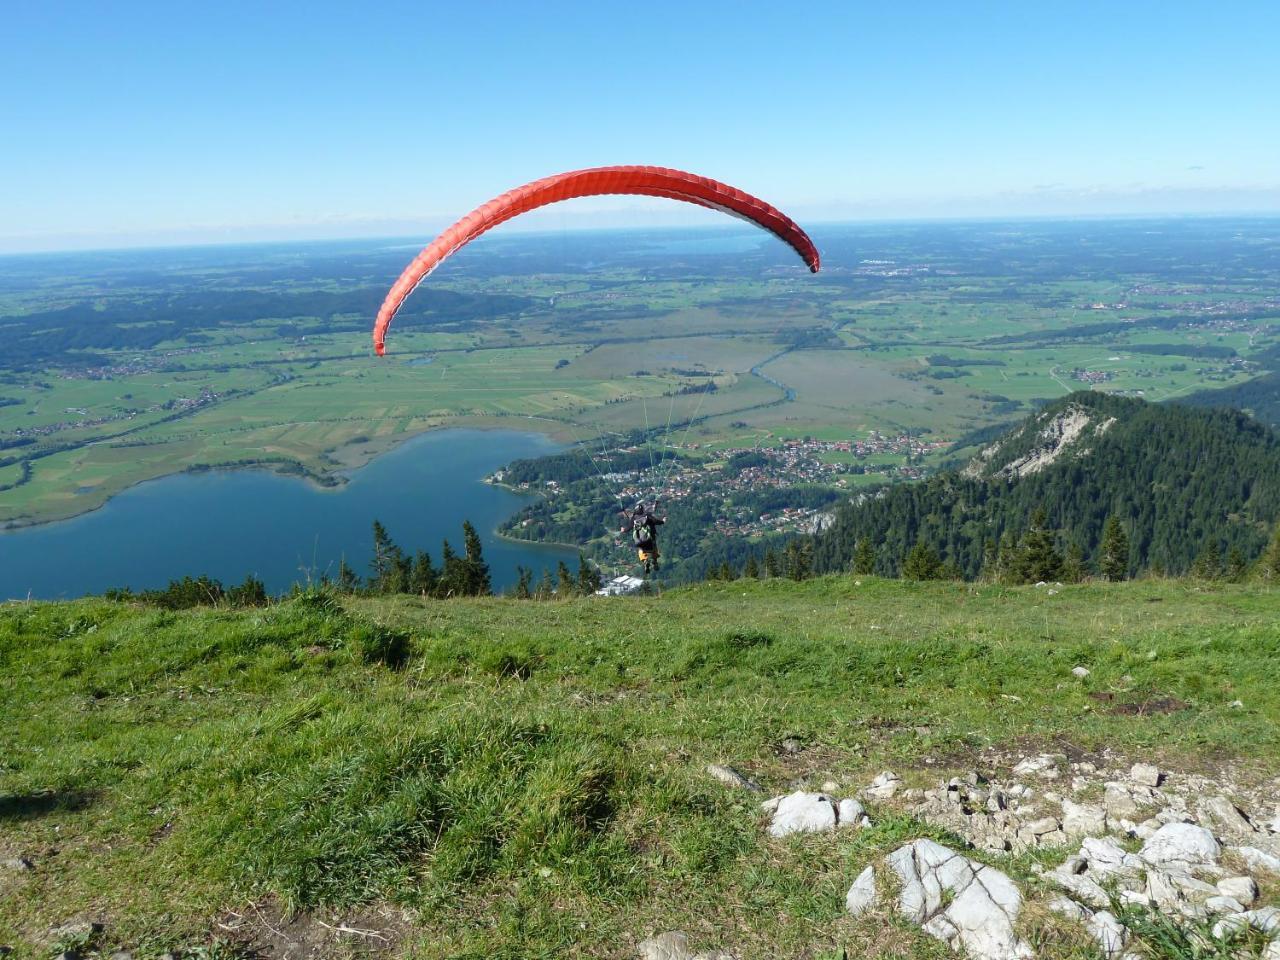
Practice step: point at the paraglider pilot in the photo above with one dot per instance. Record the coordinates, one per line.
(644, 534)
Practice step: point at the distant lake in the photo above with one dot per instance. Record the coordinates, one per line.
(231, 523)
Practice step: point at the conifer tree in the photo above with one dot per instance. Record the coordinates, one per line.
(1236, 567)
(1208, 565)
(864, 557)
(565, 587)
(752, 569)
(796, 559)
(386, 559)
(423, 580)
(546, 588)
(1269, 565)
(588, 577)
(1038, 557)
(771, 565)
(1073, 568)
(726, 571)
(922, 563)
(524, 577)
(1114, 561)
(478, 582)
(990, 571)
(453, 573)
(348, 581)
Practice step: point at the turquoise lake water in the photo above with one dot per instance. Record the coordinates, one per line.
(282, 529)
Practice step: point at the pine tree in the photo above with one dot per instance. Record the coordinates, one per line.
(990, 571)
(1074, 569)
(348, 581)
(752, 569)
(771, 565)
(726, 571)
(566, 587)
(864, 557)
(1208, 565)
(546, 588)
(1114, 561)
(1236, 567)
(796, 559)
(453, 574)
(478, 582)
(401, 573)
(385, 557)
(423, 580)
(922, 563)
(1038, 557)
(524, 577)
(1269, 565)
(588, 577)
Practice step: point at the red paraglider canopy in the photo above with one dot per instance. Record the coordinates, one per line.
(644, 181)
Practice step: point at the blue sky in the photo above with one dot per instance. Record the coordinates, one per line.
(140, 123)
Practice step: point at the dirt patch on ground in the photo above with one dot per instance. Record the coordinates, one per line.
(1139, 708)
(265, 930)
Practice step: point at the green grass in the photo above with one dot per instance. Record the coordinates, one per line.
(526, 778)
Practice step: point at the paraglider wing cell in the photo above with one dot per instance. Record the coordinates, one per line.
(641, 181)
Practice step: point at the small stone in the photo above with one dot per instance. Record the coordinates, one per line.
(862, 895)
(1118, 802)
(1045, 765)
(830, 786)
(1244, 889)
(1109, 932)
(1224, 817)
(17, 864)
(78, 930)
(1181, 843)
(666, 946)
(884, 786)
(122, 955)
(732, 778)
(1083, 820)
(1043, 825)
(1237, 704)
(1220, 905)
(1069, 908)
(791, 746)
(1256, 859)
(802, 812)
(850, 813)
(1080, 672)
(1146, 774)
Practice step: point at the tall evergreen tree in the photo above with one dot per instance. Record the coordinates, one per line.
(1269, 565)
(1114, 560)
(453, 572)
(1073, 568)
(524, 577)
(588, 577)
(546, 587)
(566, 586)
(1208, 565)
(386, 556)
(864, 557)
(423, 581)
(478, 582)
(1236, 567)
(922, 563)
(752, 568)
(1038, 557)
(796, 559)
(348, 581)
(726, 571)
(771, 566)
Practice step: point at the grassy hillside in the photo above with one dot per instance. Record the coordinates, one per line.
(494, 778)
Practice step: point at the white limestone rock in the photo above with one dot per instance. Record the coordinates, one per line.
(1083, 819)
(1146, 774)
(732, 778)
(1181, 843)
(1224, 817)
(1256, 859)
(862, 895)
(1244, 889)
(884, 786)
(803, 812)
(984, 902)
(1109, 932)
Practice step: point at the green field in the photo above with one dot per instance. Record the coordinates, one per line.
(268, 363)
(498, 778)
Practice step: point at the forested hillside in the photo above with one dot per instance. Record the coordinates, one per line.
(1184, 485)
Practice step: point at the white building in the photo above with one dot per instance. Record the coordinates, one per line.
(619, 586)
